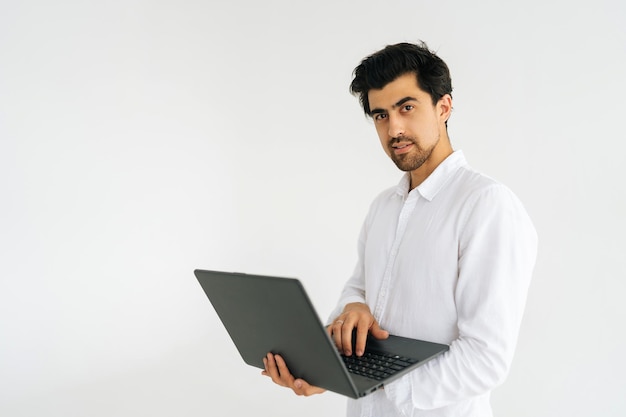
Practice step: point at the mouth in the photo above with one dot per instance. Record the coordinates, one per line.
(400, 148)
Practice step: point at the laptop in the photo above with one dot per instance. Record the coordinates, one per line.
(274, 314)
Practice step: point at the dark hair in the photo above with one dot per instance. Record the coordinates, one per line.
(384, 66)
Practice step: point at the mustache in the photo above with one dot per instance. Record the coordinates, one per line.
(398, 139)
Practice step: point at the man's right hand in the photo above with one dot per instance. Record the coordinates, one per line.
(354, 316)
(276, 368)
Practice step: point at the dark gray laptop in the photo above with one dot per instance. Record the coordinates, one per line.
(274, 314)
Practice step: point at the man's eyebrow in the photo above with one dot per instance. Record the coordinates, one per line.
(398, 104)
(402, 101)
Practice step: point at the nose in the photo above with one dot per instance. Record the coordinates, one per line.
(396, 126)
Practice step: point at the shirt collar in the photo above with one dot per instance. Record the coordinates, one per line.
(436, 180)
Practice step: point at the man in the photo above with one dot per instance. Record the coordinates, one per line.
(446, 256)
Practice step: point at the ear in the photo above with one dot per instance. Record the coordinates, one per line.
(444, 107)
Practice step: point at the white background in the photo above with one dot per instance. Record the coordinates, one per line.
(140, 140)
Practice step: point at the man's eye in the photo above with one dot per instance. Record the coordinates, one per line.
(380, 116)
(408, 107)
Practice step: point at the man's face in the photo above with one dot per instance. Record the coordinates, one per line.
(408, 124)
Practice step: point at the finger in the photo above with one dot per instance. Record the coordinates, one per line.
(270, 366)
(301, 387)
(276, 368)
(284, 374)
(377, 332)
(361, 339)
(329, 330)
(336, 333)
(346, 338)
(272, 369)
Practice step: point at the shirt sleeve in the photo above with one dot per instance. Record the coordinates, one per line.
(354, 289)
(497, 253)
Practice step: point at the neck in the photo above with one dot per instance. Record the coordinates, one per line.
(442, 150)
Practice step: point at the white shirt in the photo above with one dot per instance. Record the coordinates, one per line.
(448, 262)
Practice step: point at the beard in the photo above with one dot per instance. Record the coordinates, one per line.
(415, 158)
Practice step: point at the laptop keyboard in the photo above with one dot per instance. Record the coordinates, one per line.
(376, 365)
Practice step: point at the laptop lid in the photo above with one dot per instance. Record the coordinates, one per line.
(274, 314)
